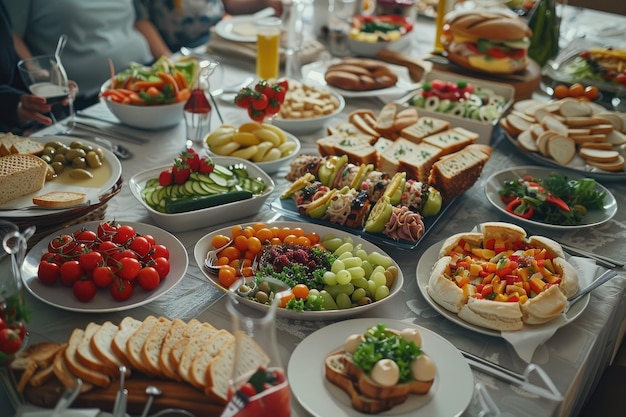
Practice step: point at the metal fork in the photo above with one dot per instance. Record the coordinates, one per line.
(212, 257)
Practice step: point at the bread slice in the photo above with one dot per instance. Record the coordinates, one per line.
(34, 360)
(102, 347)
(201, 360)
(616, 166)
(126, 328)
(416, 158)
(77, 368)
(358, 150)
(425, 126)
(21, 175)
(27, 147)
(457, 172)
(135, 343)
(200, 338)
(6, 143)
(451, 140)
(386, 118)
(219, 373)
(599, 155)
(561, 148)
(63, 373)
(86, 355)
(152, 346)
(175, 333)
(178, 348)
(58, 199)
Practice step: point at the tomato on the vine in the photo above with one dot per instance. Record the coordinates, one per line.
(90, 260)
(162, 265)
(70, 272)
(148, 278)
(48, 272)
(124, 234)
(140, 246)
(84, 290)
(103, 276)
(129, 268)
(159, 251)
(63, 244)
(88, 237)
(121, 289)
(106, 230)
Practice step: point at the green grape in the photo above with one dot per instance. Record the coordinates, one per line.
(377, 258)
(337, 266)
(381, 292)
(361, 253)
(329, 301)
(352, 261)
(345, 247)
(368, 268)
(343, 301)
(356, 272)
(358, 294)
(360, 283)
(332, 244)
(343, 277)
(335, 290)
(330, 278)
(379, 278)
(345, 255)
(371, 287)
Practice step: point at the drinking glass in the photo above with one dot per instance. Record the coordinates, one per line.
(268, 48)
(291, 37)
(45, 76)
(257, 362)
(340, 14)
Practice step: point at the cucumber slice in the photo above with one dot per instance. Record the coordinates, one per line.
(222, 171)
(219, 179)
(432, 103)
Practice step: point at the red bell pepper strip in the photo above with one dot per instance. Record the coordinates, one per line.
(558, 202)
(520, 208)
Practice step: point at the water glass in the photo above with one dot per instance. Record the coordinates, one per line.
(340, 14)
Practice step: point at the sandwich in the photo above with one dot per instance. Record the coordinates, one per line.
(487, 41)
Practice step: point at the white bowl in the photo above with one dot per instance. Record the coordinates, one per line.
(145, 117)
(198, 219)
(310, 125)
(371, 49)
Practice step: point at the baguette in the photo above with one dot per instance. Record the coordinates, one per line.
(58, 199)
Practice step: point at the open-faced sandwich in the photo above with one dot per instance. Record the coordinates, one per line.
(499, 278)
(380, 368)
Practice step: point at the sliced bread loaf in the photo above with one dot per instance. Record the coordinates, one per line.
(86, 355)
(199, 339)
(126, 328)
(79, 370)
(152, 346)
(201, 360)
(135, 343)
(102, 347)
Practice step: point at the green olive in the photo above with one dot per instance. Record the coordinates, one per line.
(58, 167)
(60, 157)
(79, 162)
(46, 158)
(262, 297)
(75, 153)
(49, 150)
(54, 144)
(93, 160)
(100, 153)
(265, 287)
(80, 174)
(50, 173)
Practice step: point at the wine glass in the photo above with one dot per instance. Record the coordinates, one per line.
(259, 386)
(45, 76)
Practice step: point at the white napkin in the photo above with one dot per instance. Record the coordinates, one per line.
(526, 340)
(32, 411)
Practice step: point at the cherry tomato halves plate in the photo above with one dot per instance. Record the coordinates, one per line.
(61, 296)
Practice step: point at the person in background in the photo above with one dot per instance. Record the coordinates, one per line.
(96, 31)
(19, 109)
(169, 25)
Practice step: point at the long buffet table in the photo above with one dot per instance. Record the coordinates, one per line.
(574, 358)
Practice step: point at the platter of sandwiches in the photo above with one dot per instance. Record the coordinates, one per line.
(327, 389)
(490, 304)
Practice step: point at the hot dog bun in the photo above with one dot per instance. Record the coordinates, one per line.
(356, 74)
(487, 41)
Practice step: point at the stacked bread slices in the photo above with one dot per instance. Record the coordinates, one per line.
(570, 131)
(193, 352)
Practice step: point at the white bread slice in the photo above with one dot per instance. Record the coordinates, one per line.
(451, 140)
(551, 123)
(21, 175)
(58, 199)
(616, 138)
(86, 355)
(425, 126)
(599, 155)
(200, 338)
(152, 347)
(6, 143)
(63, 373)
(27, 147)
(616, 166)
(127, 327)
(175, 333)
(135, 343)
(527, 142)
(596, 145)
(178, 348)
(358, 150)
(201, 360)
(614, 118)
(561, 148)
(417, 157)
(385, 120)
(102, 347)
(571, 107)
(78, 369)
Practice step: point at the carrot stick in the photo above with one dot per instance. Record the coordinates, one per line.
(169, 79)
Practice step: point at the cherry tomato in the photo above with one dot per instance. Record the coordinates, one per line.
(129, 268)
(162, 265)
(106, 230)
(124, 234)
(125, 253)
(10, 341)
(84, 290)
(3, 324)
(576, 90)
(63, 244)
(140, 246)
(107, 248)
(561, 91)
(21, 329)
(592, 92)
(151, 240)
(70, 272)
(159, 251)
(90, 260)
(48, 272)
(56, 258)
(87, 237)
(121, 289)
(103, 276)
(148, 278)
(300, 291)
(227, 276)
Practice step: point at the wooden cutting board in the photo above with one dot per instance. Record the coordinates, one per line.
(175, 395)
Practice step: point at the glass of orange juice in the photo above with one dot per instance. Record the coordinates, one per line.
(268, 48)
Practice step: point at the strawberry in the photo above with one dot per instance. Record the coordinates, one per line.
(191, 158)
(165, 177)
(206, 165)
(269, 91)
(180, 172)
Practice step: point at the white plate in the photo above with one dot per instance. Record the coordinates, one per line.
(204, 245)
(593, 217)
(312, 124)
(227, 28)
(90, 187)
(450, 394)
(314, 72)
(61, 296)
(197, 219)
(424, 267)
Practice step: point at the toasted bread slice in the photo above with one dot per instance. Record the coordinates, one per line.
(63, 373)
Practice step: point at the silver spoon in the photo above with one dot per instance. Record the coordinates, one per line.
(60, 45)
(607, 275)
(152, 391)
